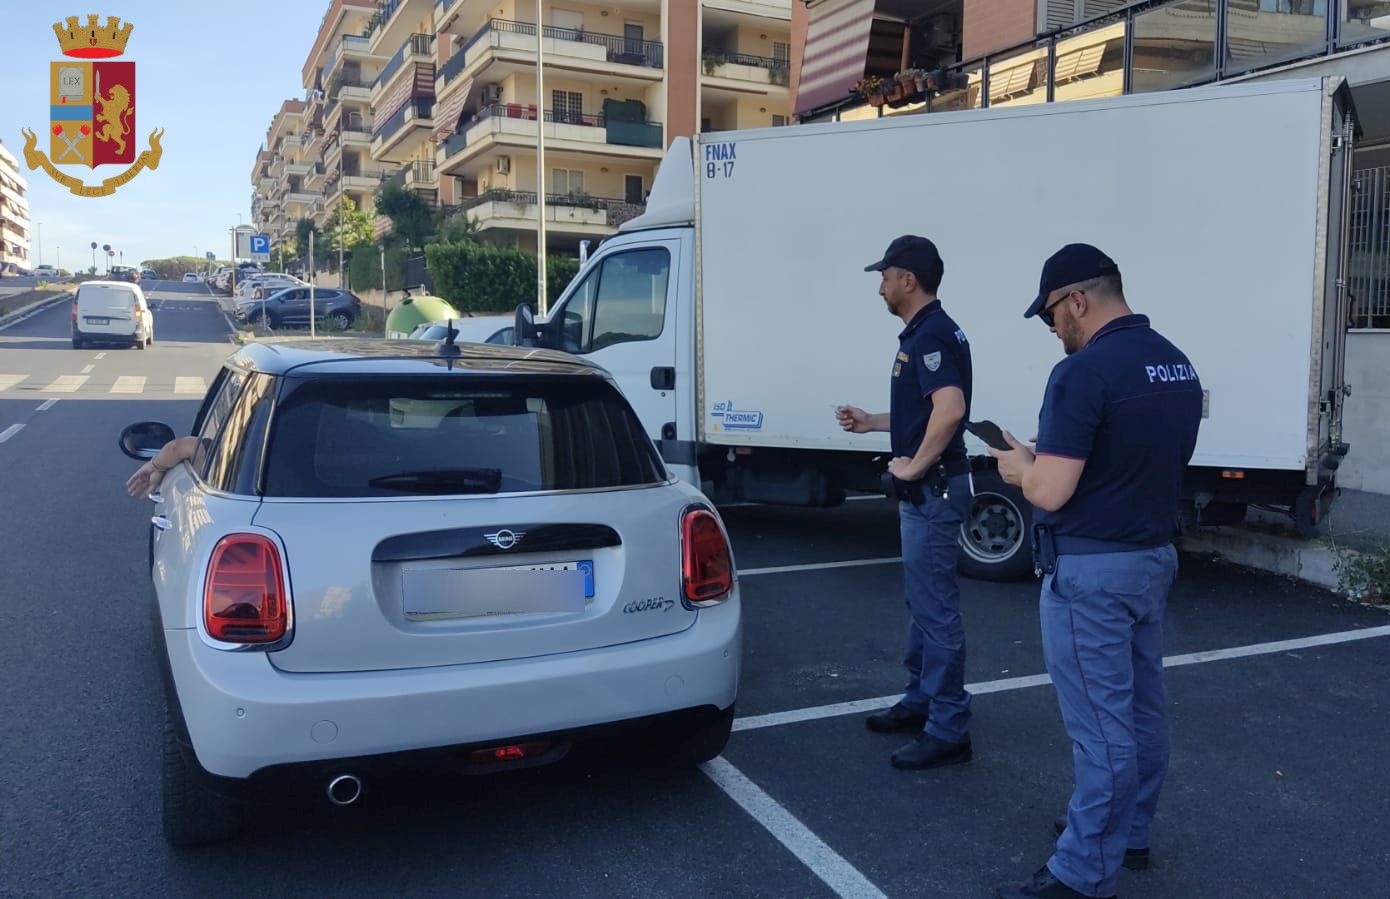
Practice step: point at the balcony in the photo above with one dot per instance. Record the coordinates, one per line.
(503, 40)
(314, 179)
(511, 124)
(392, 22)
(350, 85)
(391, 138)
(299, 168)
(726, 68)
(417, 174)
(350, 47)
(418, 50)
(568, 213)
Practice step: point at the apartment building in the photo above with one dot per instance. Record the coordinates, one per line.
(439, 96)
(14, 213)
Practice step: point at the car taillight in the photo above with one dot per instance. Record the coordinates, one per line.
(707, 566)
(74, 310)
(244, 597)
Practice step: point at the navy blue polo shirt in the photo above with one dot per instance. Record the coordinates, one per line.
(932, 353)
(1129, 404)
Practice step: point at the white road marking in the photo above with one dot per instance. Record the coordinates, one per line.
(47, 404)
(190, 385)
(100, 356)
(824, 862)
(814, 713)
(129, 384)
(87, 369)
(8, 381)
(10, 432)
(818, 566)
(67, 384)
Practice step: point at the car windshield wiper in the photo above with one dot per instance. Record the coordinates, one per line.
(443, 480)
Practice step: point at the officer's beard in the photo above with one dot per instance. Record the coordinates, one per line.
(1069, 330)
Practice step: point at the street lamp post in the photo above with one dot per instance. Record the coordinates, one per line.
(94, 257)
(39, 238)
(540, 157)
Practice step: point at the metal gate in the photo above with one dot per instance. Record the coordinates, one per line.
(1369, 258)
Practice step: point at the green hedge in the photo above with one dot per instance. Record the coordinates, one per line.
(364, 268)
(475, 278)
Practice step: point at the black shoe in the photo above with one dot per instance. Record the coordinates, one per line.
(1043, 885)
(896, 720)
(929, 752)
(1135, 859)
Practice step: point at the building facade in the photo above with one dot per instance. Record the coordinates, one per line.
(14, 214)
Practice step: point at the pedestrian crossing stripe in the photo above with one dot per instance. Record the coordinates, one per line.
(67, 384)
(8, 381)
(190, 385)
(129, 384)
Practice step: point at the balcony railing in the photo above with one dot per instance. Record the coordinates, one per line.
(419, 108)
(617, 211)
(623, 132)
(624, 50)
(349, 42)
(456, 142)
(777, 69)
(418, 45)
(421, 171)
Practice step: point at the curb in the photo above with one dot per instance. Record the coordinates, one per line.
(34, 308)
(1310, 561)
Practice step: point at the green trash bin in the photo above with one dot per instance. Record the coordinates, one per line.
(417, 310)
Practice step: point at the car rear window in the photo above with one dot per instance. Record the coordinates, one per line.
(425, 435)
(103, 296)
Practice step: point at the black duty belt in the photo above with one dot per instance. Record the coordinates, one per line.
(1047, 546)
(934, 483)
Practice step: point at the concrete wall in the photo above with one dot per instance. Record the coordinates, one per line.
(990, 25)
(1367, 419)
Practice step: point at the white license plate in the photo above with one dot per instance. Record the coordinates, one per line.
(510, 590)
(98, 321)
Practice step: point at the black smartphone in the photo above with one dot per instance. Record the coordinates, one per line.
(989, 432)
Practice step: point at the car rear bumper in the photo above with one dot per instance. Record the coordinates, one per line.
(130, 337)
(243, 715)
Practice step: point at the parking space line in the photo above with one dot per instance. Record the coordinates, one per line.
(817, 566)
(824, 862)
(47, 404)
(190, 385)
(8, 381)
(67, 384)
(10, 432)
(86, 369)
(859, 706)
(129, 384)
(100, 356)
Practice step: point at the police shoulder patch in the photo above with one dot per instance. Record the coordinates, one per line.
(932, 361)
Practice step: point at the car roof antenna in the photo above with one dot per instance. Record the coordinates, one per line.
(447, 348)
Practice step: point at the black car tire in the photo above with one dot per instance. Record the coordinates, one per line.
(78, 343)
(194, 814)
(340, 320)
(689, 745)
(140, 344)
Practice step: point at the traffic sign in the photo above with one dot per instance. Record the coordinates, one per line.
(260, 247)
(211, 256)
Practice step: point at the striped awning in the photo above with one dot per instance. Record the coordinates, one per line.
(392, 103)
(837, 45)
(447, 118)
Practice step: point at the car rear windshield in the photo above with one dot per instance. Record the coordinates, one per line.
(104, 296)
(460, 434)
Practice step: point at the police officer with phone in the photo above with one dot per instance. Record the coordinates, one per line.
(1118, 426)
(930, 401)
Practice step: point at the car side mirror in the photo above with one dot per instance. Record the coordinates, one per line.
(526, 333)
(143, 440)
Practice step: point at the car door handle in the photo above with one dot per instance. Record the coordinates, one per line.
(160, 522)
(663, 378)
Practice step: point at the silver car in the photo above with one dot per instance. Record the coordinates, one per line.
(387, 553)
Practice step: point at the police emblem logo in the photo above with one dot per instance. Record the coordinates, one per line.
(92, 108)
(902, 357)
(932, 361)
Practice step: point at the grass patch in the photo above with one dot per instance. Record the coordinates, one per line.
(1364, 576)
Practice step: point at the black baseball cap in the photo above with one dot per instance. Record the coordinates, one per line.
(1073, 263)
(916, 254)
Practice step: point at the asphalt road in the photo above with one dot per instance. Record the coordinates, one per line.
(1277, 785)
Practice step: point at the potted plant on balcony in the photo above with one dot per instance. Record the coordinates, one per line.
(871, 89)
(711, 60)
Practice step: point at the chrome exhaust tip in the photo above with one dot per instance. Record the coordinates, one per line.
(344, 790)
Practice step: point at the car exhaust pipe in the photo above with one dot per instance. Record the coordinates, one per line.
(344, 790)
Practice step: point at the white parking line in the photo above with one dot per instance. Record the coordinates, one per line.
(47, 404)
(87, 369)
(824, 862)
(100, 356)
(8, 381)
(67, 384)
(813, 713)
(10, 432)
(190, 385)
(817, 566)
(129, 384)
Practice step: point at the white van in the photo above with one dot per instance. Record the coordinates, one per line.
(111, 312)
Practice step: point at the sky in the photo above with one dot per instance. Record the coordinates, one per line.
(210, 74)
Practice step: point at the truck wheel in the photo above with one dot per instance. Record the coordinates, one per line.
(193, 814)
(994, 542)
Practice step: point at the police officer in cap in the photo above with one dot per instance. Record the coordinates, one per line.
(930, 402)
(1118, 426)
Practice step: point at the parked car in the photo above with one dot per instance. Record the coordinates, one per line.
(46, 271)
(291, 306)
(111, 312)
(190, 277)
(273, 280)
(149, 274)
(511, 571)
(127, 273)
(496, 329)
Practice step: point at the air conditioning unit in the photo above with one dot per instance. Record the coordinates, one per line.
(492, 93)
(504, 165)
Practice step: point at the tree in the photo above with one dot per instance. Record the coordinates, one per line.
(458, 228)
(354, 229)
(302, 230)
(411, 217)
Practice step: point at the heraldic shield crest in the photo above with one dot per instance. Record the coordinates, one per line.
(92, 108)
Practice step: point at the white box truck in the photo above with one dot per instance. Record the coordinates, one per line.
(735, 313)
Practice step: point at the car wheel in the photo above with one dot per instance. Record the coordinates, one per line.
(78, 343)
(340, 320)
(687, 745)
(140, 344)
(193, 813)
(994, 537)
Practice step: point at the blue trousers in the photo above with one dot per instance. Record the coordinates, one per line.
(1102, 629)
(935, 658)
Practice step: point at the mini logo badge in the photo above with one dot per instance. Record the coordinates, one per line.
(505, 539)
(92, 108)
(932, 361)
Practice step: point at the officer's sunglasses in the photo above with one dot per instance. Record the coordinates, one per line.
(1046, 314)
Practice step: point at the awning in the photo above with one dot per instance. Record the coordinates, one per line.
(837, 45)
(391, 104)
(448, 115)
